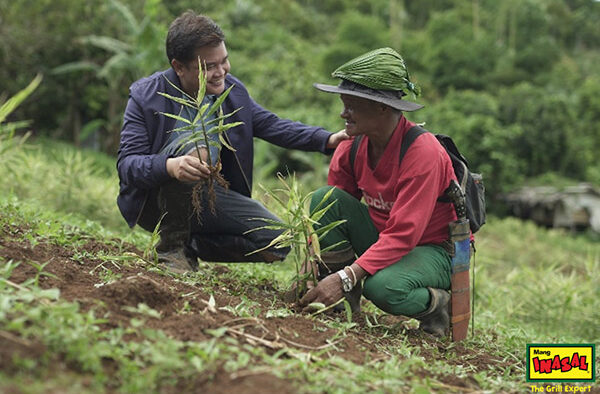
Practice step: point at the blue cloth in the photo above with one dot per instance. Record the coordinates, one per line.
(142, 169)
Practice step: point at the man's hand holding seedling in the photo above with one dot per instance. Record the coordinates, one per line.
(189, 168)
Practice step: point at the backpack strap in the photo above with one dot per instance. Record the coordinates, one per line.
(410, 137)
(354, 149)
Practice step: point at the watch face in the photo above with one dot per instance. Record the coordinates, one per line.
(346, 281)
(347, 284)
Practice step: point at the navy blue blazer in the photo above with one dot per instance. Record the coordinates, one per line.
(142, 170)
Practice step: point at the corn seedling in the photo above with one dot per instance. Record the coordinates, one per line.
(298, 233)
(208, 122)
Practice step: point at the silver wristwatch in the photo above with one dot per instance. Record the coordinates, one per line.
(347, 284)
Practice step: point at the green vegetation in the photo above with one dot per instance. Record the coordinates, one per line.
(84, 309)
(297, 230)
(515, 83)
(533, 285)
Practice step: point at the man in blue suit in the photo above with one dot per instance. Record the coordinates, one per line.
(156, 178)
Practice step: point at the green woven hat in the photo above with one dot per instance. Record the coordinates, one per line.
(379, 75)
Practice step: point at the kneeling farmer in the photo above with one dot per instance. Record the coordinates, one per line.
(401, 234)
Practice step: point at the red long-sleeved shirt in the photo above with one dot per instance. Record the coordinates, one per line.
(402, 200)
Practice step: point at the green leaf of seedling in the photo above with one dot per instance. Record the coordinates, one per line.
(335, 245)
(179, 100)
(325, 198)
(273, 195)
(225, 142)
(190, 127)
(176, 117)
(223, 117)
(190, 98)
(323, 231)
(201, 80)
(281, 239)
(281, 178)
(317, 215)
(316, 245)
(202, 110)
(307, 196)
(197, 118)
(270, 221)
(275, 225)
(217, 104)
(191, 139)
(223, 128)
(271, 227)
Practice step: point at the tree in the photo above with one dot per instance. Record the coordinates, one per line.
(138, 53)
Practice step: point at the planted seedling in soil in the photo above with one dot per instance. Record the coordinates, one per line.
(205, 129)
(298, 233)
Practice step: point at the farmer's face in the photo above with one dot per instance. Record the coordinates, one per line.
(216, 69)
(361, 115)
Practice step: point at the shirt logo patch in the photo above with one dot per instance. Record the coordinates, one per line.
(378, 202)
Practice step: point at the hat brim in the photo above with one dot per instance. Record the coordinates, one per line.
(396, 103)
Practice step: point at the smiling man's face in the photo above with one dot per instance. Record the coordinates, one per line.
(217, 67)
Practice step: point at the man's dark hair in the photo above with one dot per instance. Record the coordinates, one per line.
(188, 33)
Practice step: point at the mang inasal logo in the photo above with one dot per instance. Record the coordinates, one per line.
(560, 363)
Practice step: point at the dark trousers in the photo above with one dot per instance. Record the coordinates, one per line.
(227, 235)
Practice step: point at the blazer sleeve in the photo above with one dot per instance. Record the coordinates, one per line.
(137, 165)
(287, 133)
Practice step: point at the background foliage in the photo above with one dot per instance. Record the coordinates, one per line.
(514, 82)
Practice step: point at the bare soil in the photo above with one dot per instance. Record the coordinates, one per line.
(187, 314)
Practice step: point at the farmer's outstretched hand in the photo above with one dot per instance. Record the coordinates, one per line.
(328, 291)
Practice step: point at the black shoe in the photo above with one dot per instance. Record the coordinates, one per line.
(178, 261)
(436, 319)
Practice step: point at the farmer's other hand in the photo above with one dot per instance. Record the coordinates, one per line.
(328, 291)
(335, 139)
(187, 168)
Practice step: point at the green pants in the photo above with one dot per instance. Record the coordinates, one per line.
(401, 288)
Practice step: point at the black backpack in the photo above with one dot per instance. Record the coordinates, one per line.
(470, 183)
